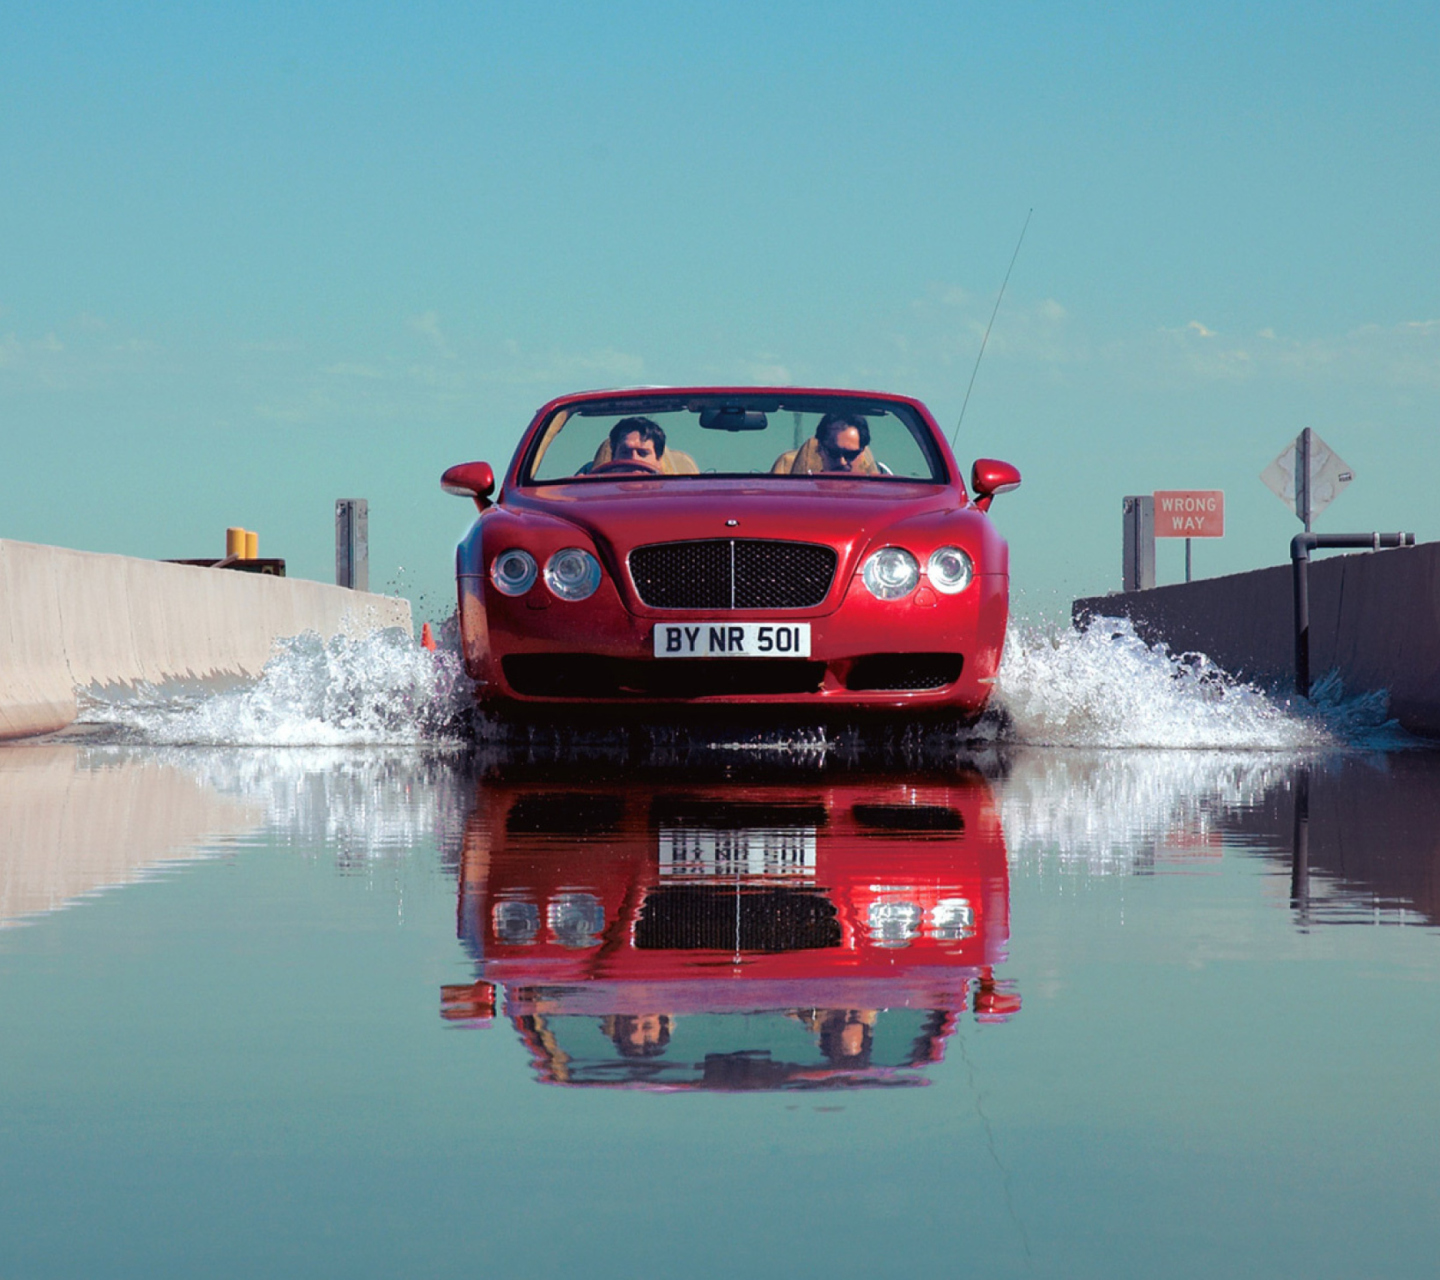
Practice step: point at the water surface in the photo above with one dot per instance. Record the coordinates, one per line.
(1027, 1011)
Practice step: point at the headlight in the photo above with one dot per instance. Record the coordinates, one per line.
(950, 571)
(515, 923)
(576, 919)
(894, 924)
(890, 573)
(953, 919)
(572, 574)
(513, 572)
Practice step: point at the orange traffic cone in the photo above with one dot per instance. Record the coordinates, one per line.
(427, 640)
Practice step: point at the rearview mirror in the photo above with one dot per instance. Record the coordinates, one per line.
(990, 476)
(470, 480)
(733, 418)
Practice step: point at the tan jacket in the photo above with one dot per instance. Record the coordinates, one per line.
(808, 460)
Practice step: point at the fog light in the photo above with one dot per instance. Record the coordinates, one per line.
(890, 573)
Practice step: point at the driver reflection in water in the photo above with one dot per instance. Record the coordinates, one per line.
(643, 1035)
(845, 1036)
(638, 440)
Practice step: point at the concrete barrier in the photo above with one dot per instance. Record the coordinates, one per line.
(1374, 618)
(73, 619)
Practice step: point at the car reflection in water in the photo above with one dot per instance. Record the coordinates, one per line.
(738, 937)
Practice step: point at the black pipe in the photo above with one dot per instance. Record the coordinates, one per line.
(1301, 545)
(1300, 848)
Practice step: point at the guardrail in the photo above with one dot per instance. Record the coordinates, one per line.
(1301, 545)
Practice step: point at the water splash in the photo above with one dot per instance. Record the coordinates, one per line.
(361, 804)
(1104, 812)
(375, 689)
(1103, 686)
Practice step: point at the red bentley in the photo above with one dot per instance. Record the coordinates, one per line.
(792, 934)
(714, 545)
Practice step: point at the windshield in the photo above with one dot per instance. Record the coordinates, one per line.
(672, 438)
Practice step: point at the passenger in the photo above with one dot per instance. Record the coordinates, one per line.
(841, 444)
(638, 1035)
(847, 1036)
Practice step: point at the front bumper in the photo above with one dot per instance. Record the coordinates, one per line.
(925, 651)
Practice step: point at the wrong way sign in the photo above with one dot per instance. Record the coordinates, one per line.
(1189, 513)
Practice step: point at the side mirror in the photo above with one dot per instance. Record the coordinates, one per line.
(470, 480)
(988, 477)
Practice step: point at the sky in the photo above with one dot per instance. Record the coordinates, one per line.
(254, 258)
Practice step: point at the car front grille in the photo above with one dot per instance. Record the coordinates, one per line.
(732, 573)
(718, 918)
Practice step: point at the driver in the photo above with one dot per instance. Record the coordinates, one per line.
(841, 444)
(638, 440)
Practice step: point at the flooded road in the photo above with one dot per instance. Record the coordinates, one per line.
(1015, 1010)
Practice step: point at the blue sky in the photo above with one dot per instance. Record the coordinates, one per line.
(254, 258)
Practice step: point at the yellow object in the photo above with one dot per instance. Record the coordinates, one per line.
(252, 545)
(235, 543)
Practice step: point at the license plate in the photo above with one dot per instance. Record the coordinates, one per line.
(690, 853)
(732, 640)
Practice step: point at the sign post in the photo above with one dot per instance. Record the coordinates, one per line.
(1189, 513)
(1139, 551)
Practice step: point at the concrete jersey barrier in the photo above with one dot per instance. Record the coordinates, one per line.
(1374, 618)
(73, 619)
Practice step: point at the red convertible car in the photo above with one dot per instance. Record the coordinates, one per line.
(713, 545)
(793, 934)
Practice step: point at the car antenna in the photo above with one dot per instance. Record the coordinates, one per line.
(955, 438)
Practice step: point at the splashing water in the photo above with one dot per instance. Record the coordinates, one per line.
(1098, 687)
(1105, 812)
(376, 689)
(1106, 687)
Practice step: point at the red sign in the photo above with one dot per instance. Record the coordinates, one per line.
(1189, 513)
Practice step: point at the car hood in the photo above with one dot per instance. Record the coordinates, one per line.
(838, 513)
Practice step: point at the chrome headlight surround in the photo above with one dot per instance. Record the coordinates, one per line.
(950, 570)
(513, 572)
(890, 573)
(572, 574)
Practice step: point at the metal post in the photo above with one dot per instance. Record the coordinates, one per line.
(1187, 558)
(1300, 572)
(1301, 545)
(1302, 477)
(352, 543)
(1139, 556)
(1300, 848)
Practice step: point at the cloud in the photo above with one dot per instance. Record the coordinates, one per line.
(1404, 355)
(768, 371)
(428, 324)
(353, 369)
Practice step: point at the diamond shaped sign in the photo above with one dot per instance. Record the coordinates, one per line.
(1328, 476)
